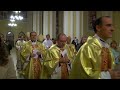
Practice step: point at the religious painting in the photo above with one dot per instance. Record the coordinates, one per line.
(91, 19)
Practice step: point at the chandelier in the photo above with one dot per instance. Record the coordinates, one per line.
(16, 16)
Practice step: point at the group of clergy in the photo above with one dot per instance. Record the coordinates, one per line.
(45, 60)
(94, 59)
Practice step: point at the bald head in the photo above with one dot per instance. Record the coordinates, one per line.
(61, 40)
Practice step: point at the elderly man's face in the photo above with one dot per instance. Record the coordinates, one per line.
(33, 36)
(62, 41)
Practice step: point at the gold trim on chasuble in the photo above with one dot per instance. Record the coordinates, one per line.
(36, 65)
(106, 59)
(64, 68)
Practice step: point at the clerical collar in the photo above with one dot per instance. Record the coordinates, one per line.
(33, 41)
(60, 47)
(21, 40)
(102, 40)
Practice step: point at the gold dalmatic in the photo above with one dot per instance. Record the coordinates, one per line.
(106, 59)
(64, 69)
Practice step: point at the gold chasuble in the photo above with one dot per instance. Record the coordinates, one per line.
(91, 60)
(19, 45)
(71, 51)
(58, 63)
(33, 65)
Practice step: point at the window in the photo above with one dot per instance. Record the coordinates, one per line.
(3, 15)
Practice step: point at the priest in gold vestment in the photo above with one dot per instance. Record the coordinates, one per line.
(94, 59)
(33, 54)
(19, 45)
(71, 49)
(58, 60)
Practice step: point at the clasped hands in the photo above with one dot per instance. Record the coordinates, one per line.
(34, 54)
(64, 59)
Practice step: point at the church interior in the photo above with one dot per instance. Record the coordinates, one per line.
(14, 24)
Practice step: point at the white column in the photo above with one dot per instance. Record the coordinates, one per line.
(68, 23)
(45, 23)
(54, 25)
(30, 21)
(38, 21)
(78, 24)
(71, 24)
(65, 23)
(81, 24)
(34, 21)
(51, 23)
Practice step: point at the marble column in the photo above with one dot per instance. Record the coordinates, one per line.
(73, 23)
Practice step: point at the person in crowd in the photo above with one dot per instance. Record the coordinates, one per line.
(47, 42)
(83, 40)
(19, 45)
(7, 69)
(33, 54)
(54, 40)
(58, 63)
(75, 42)
(95, 60)
(71, 48)
(115, 51)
